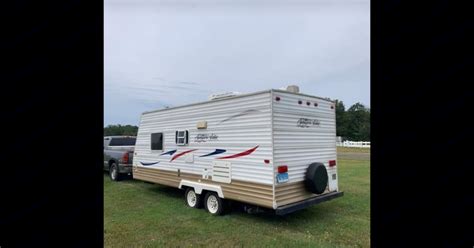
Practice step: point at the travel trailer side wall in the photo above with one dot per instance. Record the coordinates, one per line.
(235, 148)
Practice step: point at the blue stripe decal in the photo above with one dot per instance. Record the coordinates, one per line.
(217, 151)
(148, 164)
(169, 152)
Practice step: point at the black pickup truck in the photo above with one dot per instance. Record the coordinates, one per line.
(118, 155)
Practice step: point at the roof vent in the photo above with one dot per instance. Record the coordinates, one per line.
(293, 88)
(223, 95)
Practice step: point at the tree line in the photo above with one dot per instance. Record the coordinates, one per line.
(351, 124)
(112, 130)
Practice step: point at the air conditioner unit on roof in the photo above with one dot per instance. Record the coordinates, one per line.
(293, 88)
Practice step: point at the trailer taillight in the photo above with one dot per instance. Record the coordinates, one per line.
(282, 169)
(332, 163)
(282, 175)
(125, 158)
(266, 161)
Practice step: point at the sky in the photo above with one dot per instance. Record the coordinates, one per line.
(171, 53)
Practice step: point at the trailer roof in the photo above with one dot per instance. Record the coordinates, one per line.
(238, 96)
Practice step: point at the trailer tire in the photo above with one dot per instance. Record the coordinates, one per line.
(192, 199)
(114, 172)
(213, 204)
(316, 178)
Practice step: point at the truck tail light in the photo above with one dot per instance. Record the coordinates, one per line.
(282, 169)
(125, 158)
(332, 163)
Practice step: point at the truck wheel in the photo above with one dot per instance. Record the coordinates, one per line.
(192, 199)
(316, 178)
(213, 203)
(114, 172)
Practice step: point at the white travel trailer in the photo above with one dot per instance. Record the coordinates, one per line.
(274, 149)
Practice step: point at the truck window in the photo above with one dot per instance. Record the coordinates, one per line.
(125, 141)
(157, 141)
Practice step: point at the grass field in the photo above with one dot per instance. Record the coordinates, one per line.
(352, 149)
(139, 214)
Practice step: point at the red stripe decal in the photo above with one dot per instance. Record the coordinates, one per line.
(240, 154)
(181, 154)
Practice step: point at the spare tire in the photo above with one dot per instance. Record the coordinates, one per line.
(316, 178)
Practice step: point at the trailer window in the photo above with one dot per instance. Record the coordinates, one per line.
(157, 141)
(181, 138)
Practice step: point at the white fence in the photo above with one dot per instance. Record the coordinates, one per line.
(348, 143)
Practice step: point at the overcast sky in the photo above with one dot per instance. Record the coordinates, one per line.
(170, 53)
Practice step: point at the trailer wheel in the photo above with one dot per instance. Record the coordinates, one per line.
(316, 178)
(192, 199)
(114, 172)
(213, 203)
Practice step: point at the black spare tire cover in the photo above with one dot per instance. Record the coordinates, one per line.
(316, 178)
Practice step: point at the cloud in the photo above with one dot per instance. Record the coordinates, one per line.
(161, 53)
(188, 83)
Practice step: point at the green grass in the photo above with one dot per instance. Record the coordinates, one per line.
(353, 149)
(139, 214)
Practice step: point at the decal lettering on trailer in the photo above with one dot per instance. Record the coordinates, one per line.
(305, 122)
(203, 137)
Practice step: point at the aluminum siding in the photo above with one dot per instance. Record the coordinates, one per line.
(235, 135)
(297, 147)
